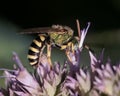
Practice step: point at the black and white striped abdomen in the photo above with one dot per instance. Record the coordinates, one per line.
(35, 49)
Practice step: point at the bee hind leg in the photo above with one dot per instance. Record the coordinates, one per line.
(49, 54)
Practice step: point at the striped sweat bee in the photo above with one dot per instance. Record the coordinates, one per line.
(54, 36)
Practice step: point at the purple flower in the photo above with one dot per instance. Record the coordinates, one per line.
(68, 79)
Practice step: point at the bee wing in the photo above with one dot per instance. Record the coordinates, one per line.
(40, 30)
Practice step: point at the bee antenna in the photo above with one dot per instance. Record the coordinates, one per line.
(78, 27)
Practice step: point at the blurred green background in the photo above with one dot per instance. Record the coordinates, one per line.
(104, 31)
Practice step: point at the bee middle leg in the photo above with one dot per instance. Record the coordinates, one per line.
(69, 48)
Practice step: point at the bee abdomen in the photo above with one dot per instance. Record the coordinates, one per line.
(35, 50)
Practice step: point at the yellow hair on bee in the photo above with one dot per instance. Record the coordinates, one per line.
(37, 43)
(33, 63)
(32, 56)
(34, 49)
(42, 37)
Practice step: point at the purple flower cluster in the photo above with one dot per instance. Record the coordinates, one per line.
(64, 80)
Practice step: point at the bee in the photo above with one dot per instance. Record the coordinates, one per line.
(54, 36)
